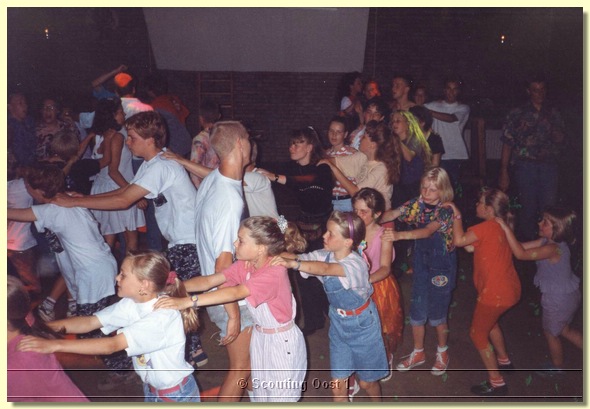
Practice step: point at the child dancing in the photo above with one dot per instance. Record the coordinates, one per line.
(356, 344)
(496, 282)
(154, 339)
(435, 265)
(277, 347)
(560, 287)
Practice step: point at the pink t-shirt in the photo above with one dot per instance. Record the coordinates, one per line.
(269, 284)
(34, 377)
(373, 251)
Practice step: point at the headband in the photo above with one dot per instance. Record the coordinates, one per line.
(350, 225)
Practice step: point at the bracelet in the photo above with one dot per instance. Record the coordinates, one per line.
(194, 299)
(276, 178)
(298, 264)
(457, 217)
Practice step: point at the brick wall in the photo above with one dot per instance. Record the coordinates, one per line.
(426, 43)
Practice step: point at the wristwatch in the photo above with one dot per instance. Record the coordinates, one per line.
(194, 299)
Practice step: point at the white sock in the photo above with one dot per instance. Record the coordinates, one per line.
(442, 349)
(250, 395)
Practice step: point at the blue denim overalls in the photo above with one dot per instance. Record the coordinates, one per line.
(434, 278)
(356, 344)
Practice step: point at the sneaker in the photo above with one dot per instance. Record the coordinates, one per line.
(113, 379)
(441, 363)
(390, 374)
(411, 361)
(548, 370)
(506, 368)
(46, 310)
(72, 309)
(486, 389)
(353, 387)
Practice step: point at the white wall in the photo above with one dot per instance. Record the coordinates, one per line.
(258, 39)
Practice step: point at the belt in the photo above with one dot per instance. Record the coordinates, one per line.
(275, 330)
(338, 197)
(169, 390)
(347, 313)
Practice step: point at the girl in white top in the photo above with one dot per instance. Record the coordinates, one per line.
(155, 339)
(116, 173)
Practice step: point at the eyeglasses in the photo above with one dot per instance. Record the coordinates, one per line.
(49, 108)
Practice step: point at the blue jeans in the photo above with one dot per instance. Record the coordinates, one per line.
(536, 184)
(189, 392)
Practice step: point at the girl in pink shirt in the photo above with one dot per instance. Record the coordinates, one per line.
(33, 376)
(277, 349)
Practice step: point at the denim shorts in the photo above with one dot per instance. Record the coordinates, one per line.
(189, 392)
(356, 345)
(219, 316)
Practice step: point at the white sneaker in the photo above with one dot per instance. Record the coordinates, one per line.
(353, 388)
(390, 363)
(46, 310)
(440, 365)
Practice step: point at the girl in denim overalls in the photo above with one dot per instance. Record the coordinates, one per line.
(435, 264)
(356, 344)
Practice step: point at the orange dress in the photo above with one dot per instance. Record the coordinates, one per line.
(387, 297)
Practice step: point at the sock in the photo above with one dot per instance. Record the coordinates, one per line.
(504, 361)
(442, 349)
(496, 383)
(49, 303)
(250, 395)
(418, 350)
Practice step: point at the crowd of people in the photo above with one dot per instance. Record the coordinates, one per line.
(84, 185)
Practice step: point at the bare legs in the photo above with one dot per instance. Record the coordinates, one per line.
(239, 368)
(556, 347)
(340, 389)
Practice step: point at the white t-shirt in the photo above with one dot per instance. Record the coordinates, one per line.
(176, 217)
(19, 236)
(87, 264)
(155, 340)
(451, 132)
(355, 267)
(220, 205)
(259, 196)
(355, 137)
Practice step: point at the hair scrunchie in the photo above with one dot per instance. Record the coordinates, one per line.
(171, 277)
(282, 223)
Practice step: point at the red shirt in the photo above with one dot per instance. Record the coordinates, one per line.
(494, 275)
